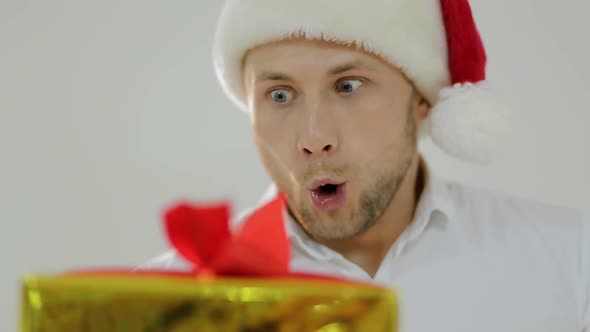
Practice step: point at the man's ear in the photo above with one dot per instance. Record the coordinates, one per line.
(421, 106)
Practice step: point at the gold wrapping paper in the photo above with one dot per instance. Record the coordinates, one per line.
(158, 303)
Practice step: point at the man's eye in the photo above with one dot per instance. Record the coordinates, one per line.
(348, 86)
(282, 95)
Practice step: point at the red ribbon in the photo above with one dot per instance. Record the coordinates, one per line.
(201, 235)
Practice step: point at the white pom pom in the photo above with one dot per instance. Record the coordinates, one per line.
(468, 124)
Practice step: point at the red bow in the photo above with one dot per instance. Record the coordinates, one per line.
(202, 236)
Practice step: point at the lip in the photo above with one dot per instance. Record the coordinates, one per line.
(324, 181)
(330, 202)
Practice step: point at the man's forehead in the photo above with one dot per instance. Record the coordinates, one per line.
(319, 53)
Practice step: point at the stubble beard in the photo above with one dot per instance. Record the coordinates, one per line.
(373, 202)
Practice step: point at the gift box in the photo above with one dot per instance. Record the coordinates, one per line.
(117, 303)
(239, 282)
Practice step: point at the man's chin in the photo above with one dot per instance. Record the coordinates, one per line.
(328, 225)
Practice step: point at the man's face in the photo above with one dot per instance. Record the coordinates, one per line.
(336, 129)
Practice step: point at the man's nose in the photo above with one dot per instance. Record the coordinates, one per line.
(318, 132)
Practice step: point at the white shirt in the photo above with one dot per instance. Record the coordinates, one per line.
(471, 260)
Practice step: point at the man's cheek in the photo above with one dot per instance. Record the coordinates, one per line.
(275, 165)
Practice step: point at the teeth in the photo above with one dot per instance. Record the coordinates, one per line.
(328, 189)
(324, 185)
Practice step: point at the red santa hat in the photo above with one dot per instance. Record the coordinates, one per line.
(434, 42)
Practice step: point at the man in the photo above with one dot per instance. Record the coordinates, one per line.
(339, 94)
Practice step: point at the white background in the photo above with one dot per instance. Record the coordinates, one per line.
(109, 111)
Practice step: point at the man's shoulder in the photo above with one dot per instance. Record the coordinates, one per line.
(505, 209)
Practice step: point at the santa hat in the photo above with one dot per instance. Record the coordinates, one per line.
(434, 42)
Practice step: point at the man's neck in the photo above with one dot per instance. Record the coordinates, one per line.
(369, 249)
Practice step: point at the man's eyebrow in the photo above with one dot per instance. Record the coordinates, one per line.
(273, 76)
(347, 66)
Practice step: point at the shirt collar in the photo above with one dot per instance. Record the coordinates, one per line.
(437, 194)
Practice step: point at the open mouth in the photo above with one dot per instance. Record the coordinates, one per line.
(327, 189)
(327, 195)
